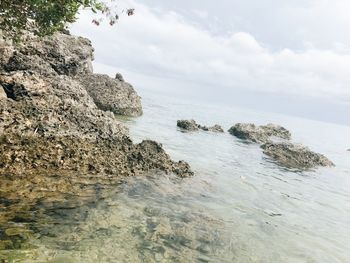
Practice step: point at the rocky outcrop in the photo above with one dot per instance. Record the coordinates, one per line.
(259, 134)
(191, 125)
(295, 155)
(60, 54)
(113, 95)
(114, 157)
(188, 125)
(52, 133)
(66, 55)
(60, 143)
(275, 144)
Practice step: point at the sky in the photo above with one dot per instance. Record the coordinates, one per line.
(289, 56)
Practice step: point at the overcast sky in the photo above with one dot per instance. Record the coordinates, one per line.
(293, 54)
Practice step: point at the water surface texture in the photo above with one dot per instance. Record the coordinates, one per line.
(240, 206)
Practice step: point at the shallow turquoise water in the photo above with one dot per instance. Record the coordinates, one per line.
(240, 206)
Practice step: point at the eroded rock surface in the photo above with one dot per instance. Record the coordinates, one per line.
(259, 134)
(188, 125)
(66, 55)
(295, 155)
(52, 133)
(191, 125)
(113, 95)
(274, 140)
(49, 95)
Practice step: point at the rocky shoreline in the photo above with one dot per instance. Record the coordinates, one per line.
(57, 124)
(55, 104)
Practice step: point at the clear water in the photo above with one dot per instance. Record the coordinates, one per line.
(240, 206)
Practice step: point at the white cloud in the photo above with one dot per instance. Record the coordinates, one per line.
(164, 44)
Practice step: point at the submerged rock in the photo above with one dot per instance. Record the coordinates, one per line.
(191, 125)
(112, 95)
(295, 155)
(259, 134)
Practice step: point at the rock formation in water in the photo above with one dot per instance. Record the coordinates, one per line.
(188, 125)
(56, 118)
(295, 155)
(191, 125)
(259, 134)
(215, 128)
(275, 144)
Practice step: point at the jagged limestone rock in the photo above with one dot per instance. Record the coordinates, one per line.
(295, 155)
(259, 134)
(191, 125)
(112, 95)
(188, 125)
(54, 140)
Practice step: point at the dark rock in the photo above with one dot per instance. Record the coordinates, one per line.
(191, 125)
(295, 155)
(188, 125)
(119, 77)
(248, 131)
(150, 155)
(112, 95)
(259, 134)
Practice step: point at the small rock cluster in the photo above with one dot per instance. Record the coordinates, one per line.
(191, 125)
(274, 140)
